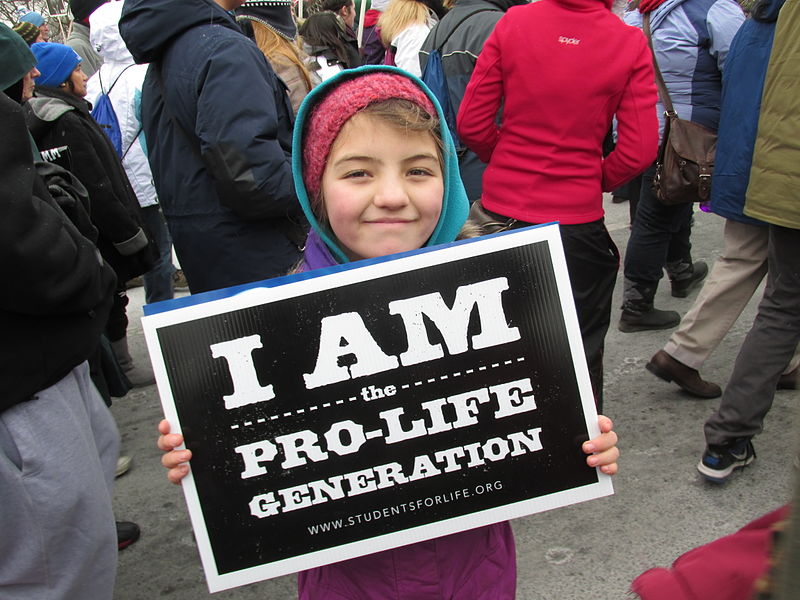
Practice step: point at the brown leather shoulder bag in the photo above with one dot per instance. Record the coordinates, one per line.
(685, 161)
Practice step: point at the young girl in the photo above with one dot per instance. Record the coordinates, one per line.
(376, 173)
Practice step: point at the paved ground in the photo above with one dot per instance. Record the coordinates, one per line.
(593, 550)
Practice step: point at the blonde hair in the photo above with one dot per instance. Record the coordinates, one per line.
(278, 49)
(399, 16)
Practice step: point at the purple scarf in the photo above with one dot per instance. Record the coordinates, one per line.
(316, 254)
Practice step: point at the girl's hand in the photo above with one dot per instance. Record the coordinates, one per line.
(176, 461)
(603, 448)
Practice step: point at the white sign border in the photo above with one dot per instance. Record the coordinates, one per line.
(260, 295)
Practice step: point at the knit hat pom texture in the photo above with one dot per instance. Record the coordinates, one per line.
(343, 102)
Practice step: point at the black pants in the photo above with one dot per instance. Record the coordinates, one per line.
(592, 263)
(660, 235)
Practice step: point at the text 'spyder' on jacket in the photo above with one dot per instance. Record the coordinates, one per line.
(558, 98)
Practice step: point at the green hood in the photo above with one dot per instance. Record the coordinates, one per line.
(16, 59)
(455, 205)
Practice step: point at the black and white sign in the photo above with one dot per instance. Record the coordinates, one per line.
(367, 408)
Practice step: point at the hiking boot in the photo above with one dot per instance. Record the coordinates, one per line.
(663, 366)
(638, 313)
(686, 276)
(719, 462)
(127, 533)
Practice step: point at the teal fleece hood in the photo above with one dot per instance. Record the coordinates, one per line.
(455, 205)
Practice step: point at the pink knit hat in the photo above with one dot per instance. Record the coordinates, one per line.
(333, 111)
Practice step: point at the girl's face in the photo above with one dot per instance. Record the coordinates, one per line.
(78, 79)
(382, 188)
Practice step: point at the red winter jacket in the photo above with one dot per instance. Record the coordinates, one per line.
(725, 569)
(561, 69)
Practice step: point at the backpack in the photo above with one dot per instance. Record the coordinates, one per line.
(103, 113)
(433, 76)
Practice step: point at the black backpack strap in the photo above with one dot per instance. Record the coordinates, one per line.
(457, 25)
(133, 141)
(115, 81)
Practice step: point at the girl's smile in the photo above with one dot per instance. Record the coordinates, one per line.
(382, 188)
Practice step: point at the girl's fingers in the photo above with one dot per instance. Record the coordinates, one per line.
(173, 460)
(176, 474)
(170, 441)
(610, 469)
(602, 442)
(606, 458)
(176, 457)
(605, 424)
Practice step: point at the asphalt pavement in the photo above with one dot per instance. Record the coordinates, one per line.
(660, 508)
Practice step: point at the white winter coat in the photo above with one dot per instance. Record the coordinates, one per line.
(125, 96)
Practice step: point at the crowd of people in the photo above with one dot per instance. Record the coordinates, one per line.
(235, 127)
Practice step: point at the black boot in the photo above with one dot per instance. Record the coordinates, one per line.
(685, 276)
(638, 313)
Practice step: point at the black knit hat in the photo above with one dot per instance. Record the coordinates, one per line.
(81, 9)
(275, 14)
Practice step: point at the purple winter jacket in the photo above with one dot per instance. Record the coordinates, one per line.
(479, 564)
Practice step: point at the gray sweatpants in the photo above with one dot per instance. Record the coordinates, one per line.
(58, 453)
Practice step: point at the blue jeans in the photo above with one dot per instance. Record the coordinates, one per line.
(660, 234)
(158, 280)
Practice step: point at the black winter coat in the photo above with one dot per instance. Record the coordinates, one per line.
(56, 290)
(66, 134)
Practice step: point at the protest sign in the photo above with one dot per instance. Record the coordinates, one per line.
(374, 406)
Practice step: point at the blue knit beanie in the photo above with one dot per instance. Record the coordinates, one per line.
(55, 62)
(33, 17)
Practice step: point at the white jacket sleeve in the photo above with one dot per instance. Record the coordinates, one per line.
(408, 44)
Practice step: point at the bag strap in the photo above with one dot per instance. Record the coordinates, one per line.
(453, 30)
(100, 78)
(133, 141)
(118, 76)
(662, 87)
